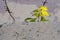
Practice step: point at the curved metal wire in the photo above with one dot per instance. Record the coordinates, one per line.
(8, 10)
(44, 2)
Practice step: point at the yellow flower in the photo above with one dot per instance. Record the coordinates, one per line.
(43, 8)
(44, 13)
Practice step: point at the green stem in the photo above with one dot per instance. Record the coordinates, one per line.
(41, 18)
(38, 17)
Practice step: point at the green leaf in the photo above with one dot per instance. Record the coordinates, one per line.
(30, 19)
(37, 14)
(36, 10)
(27, 19)
(43, 19)
(33, 20)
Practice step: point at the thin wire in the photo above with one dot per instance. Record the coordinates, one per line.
(8, 10)
(44, 2)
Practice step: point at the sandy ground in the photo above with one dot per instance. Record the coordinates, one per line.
(32, 31)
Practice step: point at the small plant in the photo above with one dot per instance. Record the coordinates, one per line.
(40, 14)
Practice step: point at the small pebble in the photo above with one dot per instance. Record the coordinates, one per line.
(24, 38)
(37, 35)
(1, 26)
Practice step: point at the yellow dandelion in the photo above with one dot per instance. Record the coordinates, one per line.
(44, 13)
(43, 8)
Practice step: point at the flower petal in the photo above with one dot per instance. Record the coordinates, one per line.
(44, 13)
(43, 8)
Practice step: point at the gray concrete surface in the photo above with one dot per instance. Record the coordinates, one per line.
(32, 31)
